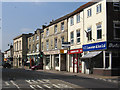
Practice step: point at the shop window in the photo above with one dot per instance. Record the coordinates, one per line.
(117, 29)
(47, 60)
(57, 60)
(99, 31)
(116, 6)
(78, 36)
(89, 34)
(106, 62)
(72, 37)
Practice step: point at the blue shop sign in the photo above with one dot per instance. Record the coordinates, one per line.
(95, 46)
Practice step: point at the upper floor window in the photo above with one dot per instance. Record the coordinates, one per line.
(19, 45)
(55, 43)
(37, 47)
(33, 39)
(47, 44)
(78, 36)
(99, 31)
(116, 6)
(78, 18)
(55, 28)
(72, 37)
(89, 12)
(33, 48)
(89, 34)
(71, 21)
(37, 37)
(42, 46)
(117, 29)
(29, 48)
(42, 36)
(62, 40)
(29, 39)
(62, 26)
(98, 8)
(47, 32)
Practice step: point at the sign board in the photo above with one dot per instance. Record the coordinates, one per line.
(75, 51)
(65, 44)
(63, 51)
(95, 46)
(113, 45)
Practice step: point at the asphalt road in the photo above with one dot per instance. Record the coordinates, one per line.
(20, 79)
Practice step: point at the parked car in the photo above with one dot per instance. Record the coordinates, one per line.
(38, 66)
(7, 65)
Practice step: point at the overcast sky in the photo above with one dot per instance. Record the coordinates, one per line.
(26, 17)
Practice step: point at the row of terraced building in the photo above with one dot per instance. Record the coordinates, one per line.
(86, 40)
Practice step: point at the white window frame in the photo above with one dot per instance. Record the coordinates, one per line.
(72, 38)
(55, 29)
(47, 44)
(72, 21)
(99, 29)
(55, 43)
(89, 30)
(116, 4)
(77, 31)
(78, 18)
(89, 12)
(37, 37)
(62, 40)
(62, 26)
(47, 32)
(99, 8)
(37, 47)
(116, 22)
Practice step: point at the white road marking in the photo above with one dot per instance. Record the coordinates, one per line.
(28, 81)
(14, 84)
(46, 80)
(40, 81)
(39, 86)
(34, 81)
(110, 80)
(33, 87)
(47, 86)
(56, 86)
(114, 81)
(7, 83)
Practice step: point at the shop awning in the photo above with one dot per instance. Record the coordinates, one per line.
(91, 55)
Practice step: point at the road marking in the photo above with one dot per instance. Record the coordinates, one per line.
(33, 87)
(14, 84)
(109, 80)
(34, 81)
(114, 81)
(64, 86)
(7, 83)
(39, 86)
(41, 81)
(28, 81)
(46, 80)
(55, 86)
(47, 86)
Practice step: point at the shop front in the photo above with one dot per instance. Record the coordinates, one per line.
(102, 58)
(55, 60)
(75, 64)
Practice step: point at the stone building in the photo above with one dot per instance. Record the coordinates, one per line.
(20, 44)
(55, 57)
(34, 47)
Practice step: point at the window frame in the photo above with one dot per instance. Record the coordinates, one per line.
(47, 32)
(89, 31)
(115, 22)
(55, 29)
(116, 6)
(62, 26)
(78, 30)
(72, 38)
(89, 12)
(78, 18)
(99, 8)
(55, 43)
(99, 29)
(47, 44)
(71, 21)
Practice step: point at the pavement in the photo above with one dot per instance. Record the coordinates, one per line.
(113, 79)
